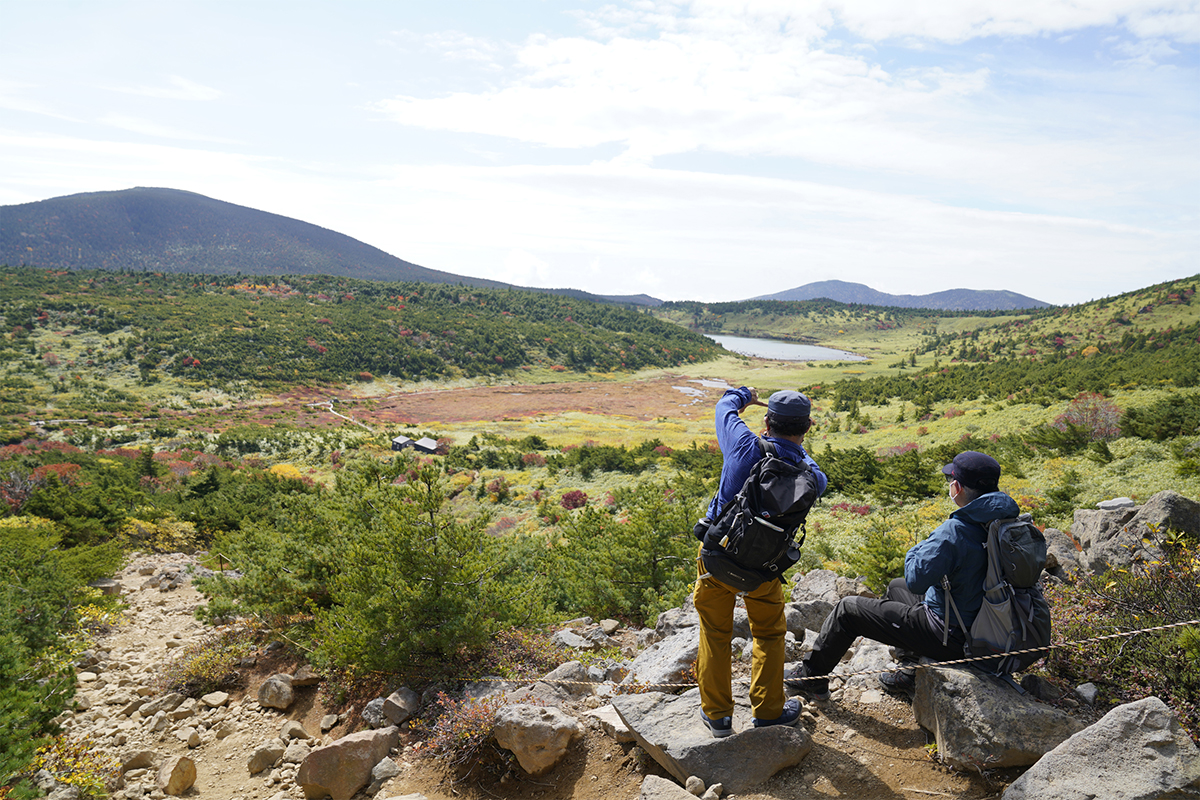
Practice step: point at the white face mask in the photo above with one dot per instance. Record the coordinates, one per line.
(950, 489)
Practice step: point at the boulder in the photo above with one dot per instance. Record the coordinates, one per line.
(107, 586)
(292, 730)
(674, 620)
(1114, 538)
(609, 626)
(276, 691)
(215, 699)
(537, 736)
(342, 768)
(372, 713)
(401, 705)
(669, 729)
(1062, 557)
(809, 615)
(1138, 751)
(137, 759)
(871, 657)
(666, 661)
(983, 723)
(176, 776)
(817, 584)
(571, 639)
(305, 677)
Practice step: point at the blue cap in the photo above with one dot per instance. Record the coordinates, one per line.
(786, 403)
(975, 470)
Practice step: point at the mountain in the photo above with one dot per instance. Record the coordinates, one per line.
(949, 300)
(168, 230)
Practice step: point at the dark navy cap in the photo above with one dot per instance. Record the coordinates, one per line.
(974, 470)
(786, 403)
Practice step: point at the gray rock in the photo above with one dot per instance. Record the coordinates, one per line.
(1138, 751)
(808, 615)
(342, 768)
(381, 773)
(137, 759)
(609, 626)
(537, 736)
(265, 755)
(276, 692)
(62, 791)
(401, 705)
(869, 656)
(569, 638)
(1087, 693)
(1062, 558)
(656, 788)
(817, 584)
(328, 721)
(571, 678)
(694, 785)
(674, 620)
(601, 639)
(983, 723)
(372, 713)
(1099, 534)
(852, 587)
(669, 729)
(666, 661)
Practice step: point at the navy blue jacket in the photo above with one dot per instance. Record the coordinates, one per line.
(956, 549)
(739, 448)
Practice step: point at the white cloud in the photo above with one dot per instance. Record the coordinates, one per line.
(176, 88)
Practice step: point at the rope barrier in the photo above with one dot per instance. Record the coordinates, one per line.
(641, 687)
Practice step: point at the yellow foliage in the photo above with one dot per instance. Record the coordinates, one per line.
(168, 535)
(38, 524)
(287, 471)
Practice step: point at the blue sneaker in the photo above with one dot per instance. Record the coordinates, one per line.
(721, 727)
(791, 713)
(812, 688)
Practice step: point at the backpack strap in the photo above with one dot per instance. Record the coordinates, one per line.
(958, 616)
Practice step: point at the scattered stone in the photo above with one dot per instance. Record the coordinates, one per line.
(292, 730)
(1088, 693)
(107, 586)
(265, 755)
(714, 792)
(296, 753)
(137, 759)
(668, 660)
(571, 678)
(612, 723)
(305, 677)
(609, 626)
(694, 785)
(372, 713)
(215, 699)
(328, 722)
(568, 638)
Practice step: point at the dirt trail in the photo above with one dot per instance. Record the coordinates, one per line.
(865, 746)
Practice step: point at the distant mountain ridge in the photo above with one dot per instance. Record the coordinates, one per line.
(169, 230)
(949, 300)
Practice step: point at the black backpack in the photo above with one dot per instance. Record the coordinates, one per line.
(1015, 614)
(753, 539)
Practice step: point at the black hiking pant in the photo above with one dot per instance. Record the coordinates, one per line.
(899, 619)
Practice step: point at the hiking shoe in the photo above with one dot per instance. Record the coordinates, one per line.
(902, 681)
(721, 727)
(812, 688)
(791, 713)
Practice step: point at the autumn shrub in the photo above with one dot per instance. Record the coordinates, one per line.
(1146, 594)
(1094, 413)
(576, 498)
(80, 763)
(208, 665)
(463, 729)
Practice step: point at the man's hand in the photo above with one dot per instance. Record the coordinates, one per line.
(754, 401)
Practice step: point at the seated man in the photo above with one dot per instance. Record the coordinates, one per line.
(788, 419)
(911, 615)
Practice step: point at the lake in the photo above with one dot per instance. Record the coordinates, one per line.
(783, 351)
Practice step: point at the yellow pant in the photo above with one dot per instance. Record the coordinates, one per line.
(715, 602)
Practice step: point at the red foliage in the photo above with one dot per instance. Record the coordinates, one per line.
(576, 498)
(64, 472)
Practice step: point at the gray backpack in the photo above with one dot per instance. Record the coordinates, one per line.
(1015, 614)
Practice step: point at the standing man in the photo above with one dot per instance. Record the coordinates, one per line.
(912, 614)
(787, 420)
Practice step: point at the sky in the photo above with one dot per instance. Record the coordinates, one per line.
(706, 150)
